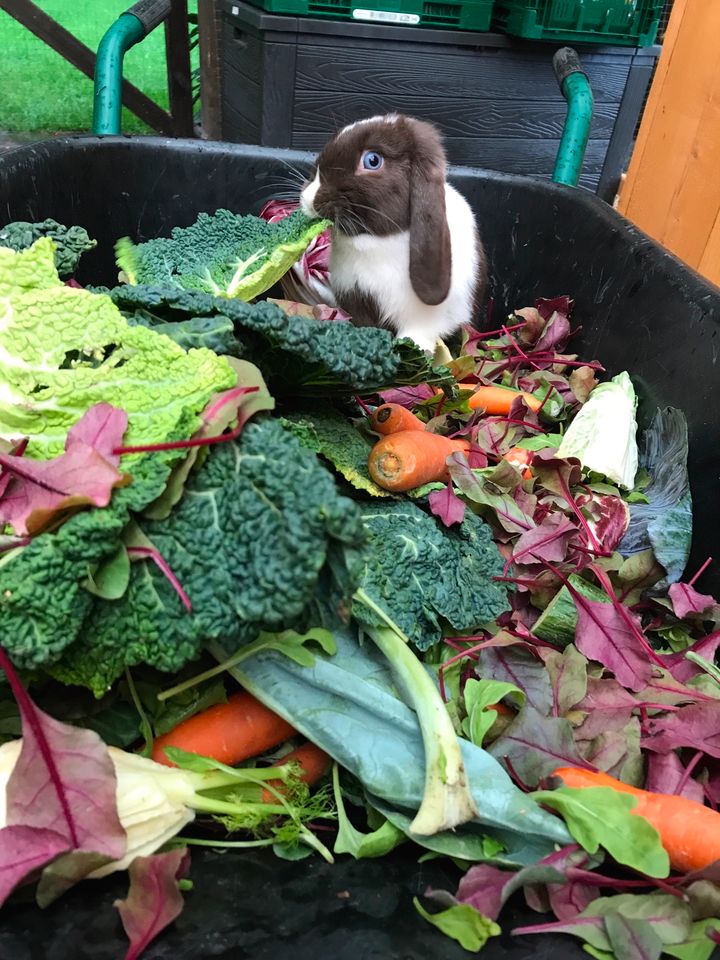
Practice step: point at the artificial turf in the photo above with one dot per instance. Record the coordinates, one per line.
(39, 91)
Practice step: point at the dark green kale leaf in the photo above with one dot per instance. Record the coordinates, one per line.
(70, 242)
(248, 542)
(424, 575)
(298, 356)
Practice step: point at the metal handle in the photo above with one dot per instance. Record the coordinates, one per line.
(130, 28)
(575, 87)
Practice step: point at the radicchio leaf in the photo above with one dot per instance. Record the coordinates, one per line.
(154, 899)
(86, 473)
(447, 505)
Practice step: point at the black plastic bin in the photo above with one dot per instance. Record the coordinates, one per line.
(641, 310)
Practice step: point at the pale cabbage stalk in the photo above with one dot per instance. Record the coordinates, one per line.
(603, 436)
(153, 801)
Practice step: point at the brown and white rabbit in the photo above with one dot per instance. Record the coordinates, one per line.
(406, 252)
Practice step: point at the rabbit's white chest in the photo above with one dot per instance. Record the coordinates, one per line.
(380, 268)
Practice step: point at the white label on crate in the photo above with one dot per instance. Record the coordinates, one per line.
(386, 16)
(235, 11)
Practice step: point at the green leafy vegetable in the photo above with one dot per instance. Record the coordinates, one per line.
(479, 695)
(248, 542)
(223, 254)
(360, 845)
(54, 372)
(426, 576)
(333, 437)
(69, 242)
(298, 356)
(603, 434)
(463, 923)
(600, 817)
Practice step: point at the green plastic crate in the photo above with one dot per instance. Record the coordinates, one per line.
(452, 14)
(632, 23)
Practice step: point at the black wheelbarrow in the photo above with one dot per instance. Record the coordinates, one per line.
(640, 309)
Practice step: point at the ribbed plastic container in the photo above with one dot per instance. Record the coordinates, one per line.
(624, 22)
(454, 14)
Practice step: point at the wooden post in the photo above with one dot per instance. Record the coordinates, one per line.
(177, 51)
(672, 188)
(209, 29)
(71, 49)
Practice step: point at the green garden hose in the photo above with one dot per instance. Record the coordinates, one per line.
(576, 131)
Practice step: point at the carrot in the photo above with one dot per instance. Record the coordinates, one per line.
(501, 709)
(228, 732)
(495, 399)
(689, 831)
(314, 762)
(391, 418)
(405, 460)
(520, 457)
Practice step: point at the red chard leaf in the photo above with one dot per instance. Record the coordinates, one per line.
(407, 396)
(447, 505)
(665, 773)
(548, 541)
(603, 635)
(536, 745)
(154, 899)
(482, 887)
(686, 600)
(41, 491)
(696, 726)
(682, 668)
(521, 667)
(62, 791)
(24, 851)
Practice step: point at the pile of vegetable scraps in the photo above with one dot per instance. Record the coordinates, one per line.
(239, 534)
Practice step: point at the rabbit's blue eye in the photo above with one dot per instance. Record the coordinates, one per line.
(371, 160)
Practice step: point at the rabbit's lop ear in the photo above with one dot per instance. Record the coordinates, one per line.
(430, 254)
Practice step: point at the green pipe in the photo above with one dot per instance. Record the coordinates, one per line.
(107, 103)
(571, 153)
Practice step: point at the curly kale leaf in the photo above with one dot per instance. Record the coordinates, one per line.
(425, 576)
(224, 254)
(70, 242)
(214, 333)
(43, 603)
(249, 542)
(298, 356)
(333, 437)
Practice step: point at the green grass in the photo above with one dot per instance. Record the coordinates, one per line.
(39, 91)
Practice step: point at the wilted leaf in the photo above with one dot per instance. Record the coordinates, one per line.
(462, 923)
(568, 676)
(154, 899)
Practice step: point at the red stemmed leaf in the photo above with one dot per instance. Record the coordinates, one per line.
(665, 773)
(603, 635)
(86, 473)
(447, 505)
(62, 791)
(536, 745)
(683, 669)
(548, 541)
(25, 850)
(686, 600)
(482, 887)
(154, 899)
(696, 726)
